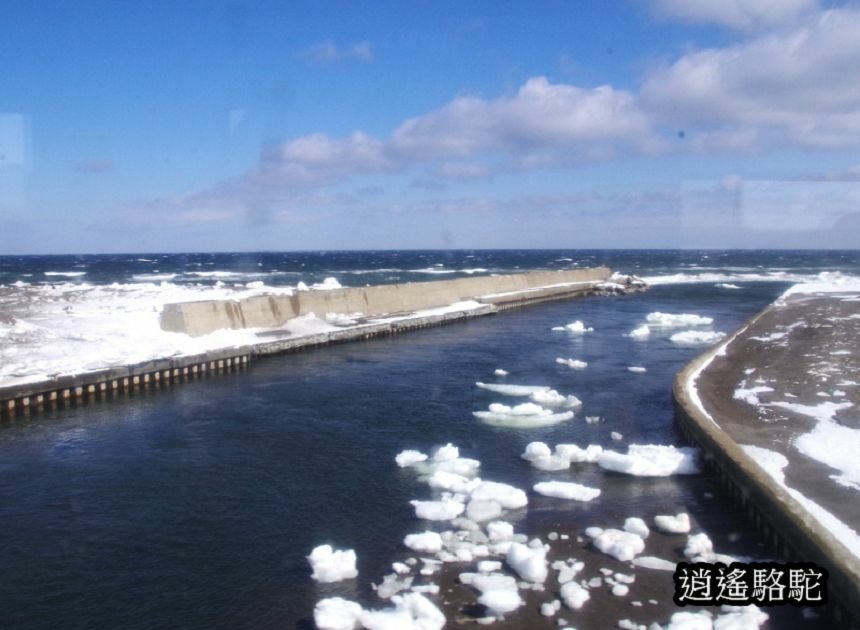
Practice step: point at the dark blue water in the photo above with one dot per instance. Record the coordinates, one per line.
(195, 506)
(382, 267)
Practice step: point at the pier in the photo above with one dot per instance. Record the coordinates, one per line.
(386, 310)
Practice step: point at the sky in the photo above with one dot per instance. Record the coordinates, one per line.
(246, 126)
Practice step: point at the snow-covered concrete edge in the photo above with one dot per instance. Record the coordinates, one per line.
(788, 519)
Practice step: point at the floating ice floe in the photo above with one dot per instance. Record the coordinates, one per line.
(542, 458)
(642, 332)
(574, 364)
(426, 542)
(653, 562)
(443, 510)
(621, 545)
(523, 416)
(331, 565)
(651, 460)
(337, 613)
(637, 369)
(636, 525)
(697, 337)
(681, 320)
(551, 398)
(529, 562)
(574, 595)
(733, 618)
(727, 285)
(566, 490)
(500, 372)
(409, 457)
(576, 327)
(678, 524)
(411, 611)
(512, 390)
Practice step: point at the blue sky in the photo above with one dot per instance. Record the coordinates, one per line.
(202, 126)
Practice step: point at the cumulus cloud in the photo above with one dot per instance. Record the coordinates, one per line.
(800, 86)
(736, 14)
(328, 52)
(541, 116)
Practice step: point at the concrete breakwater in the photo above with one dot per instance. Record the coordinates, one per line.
(271, 311)
(387, 309)
(768, 356)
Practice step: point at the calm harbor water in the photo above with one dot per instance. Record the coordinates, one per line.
(195, 506)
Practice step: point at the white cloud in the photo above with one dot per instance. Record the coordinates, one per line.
(327, 52)
(737, 14)
(798, 87)
(541, 116)
(462, 170)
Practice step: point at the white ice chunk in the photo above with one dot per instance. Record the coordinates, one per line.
(574, 364)
(409, 457)
(500, 531)
(678, 524)
(651, 460)
(443, 510)
(576, 327)
(574, 595)
(670, 320)
(426, 542)
(412, 611)
(637, 369)
(528, 562)
(445, 453)
(566, 490)
(499, 602)
(500, 372)
(525, 415)
(621, 545)
(480, 510)
(653, 562)
(642, 332)
(331, 565)
(512, 390)
(445, 480)
(615, 435)
(697, 337)
(507, 496)
(636, 525)
(551, 398)
(336, 613)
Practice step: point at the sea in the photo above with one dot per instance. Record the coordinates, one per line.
(196, 505)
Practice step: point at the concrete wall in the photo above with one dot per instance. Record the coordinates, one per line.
(776, 514)
(203, 317)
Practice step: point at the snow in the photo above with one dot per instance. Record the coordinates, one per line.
(773, 463)
(651, 460)
(678, 524)
(331, 565)
(426, 542)
(682, 320)
(409, 457)
(528, 562)
(566, 490)
(574, 364)
(697, 337)
(750, 394)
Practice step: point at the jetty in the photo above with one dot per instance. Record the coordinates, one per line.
(370, 311)
(774, 410)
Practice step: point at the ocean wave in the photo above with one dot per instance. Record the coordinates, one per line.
(67, 274)
(769, 276)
